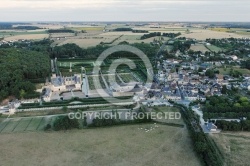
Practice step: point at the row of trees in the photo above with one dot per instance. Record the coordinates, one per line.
(203, 146)
(153, 34)
(139, 31)
(61, 31)
(244, 125)
(73, 50)
(171, 35)
(219, 106)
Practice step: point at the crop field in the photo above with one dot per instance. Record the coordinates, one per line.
(23, 34)
(57, 35)
(120, 145)
(199, 47)
(235, 146)
(84, 43)
(239, 31)
(24, 124)
(27, 37)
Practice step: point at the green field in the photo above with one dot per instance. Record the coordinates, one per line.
(214, 48)
(14, 33)
(93, 79)
(127, 77)
(226, 71)
(25, 124)
(34, 124)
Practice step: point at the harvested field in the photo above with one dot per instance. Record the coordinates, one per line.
(82, 42)
(27, 37)
(121, 145)
(93, 28)
(60, 35)
(235, 146)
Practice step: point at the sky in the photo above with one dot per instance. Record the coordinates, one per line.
(125, 10)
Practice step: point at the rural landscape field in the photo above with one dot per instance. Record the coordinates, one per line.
(235, 147)
(124, 83)
(126, 145)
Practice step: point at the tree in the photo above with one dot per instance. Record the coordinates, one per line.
(22, 93)
(65, 108)
(224, 89)
(200, 146)
(210, 73)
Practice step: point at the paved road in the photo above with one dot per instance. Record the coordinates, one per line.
(200, 113)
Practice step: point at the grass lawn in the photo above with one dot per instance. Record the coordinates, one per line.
(23, 124)
(34, 124)
(11, 125)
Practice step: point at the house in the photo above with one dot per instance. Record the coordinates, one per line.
(234, 57)
(211, 127)
(128, 89)
(219, 77)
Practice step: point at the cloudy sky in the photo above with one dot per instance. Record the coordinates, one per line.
(125, 10)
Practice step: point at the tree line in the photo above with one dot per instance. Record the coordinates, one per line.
(204, 147)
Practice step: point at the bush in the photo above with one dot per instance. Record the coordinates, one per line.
(64, 123)
(47, 127)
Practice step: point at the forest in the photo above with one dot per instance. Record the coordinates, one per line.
(19, 69)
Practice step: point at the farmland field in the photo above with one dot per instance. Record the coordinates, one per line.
(235, 146)
(27, 37)
(206, 34)
(128, 145)
(92, 28)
